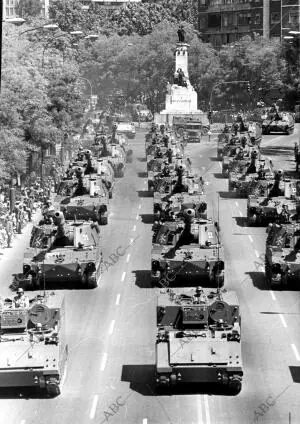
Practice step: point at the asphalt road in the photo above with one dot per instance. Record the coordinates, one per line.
(111, 330)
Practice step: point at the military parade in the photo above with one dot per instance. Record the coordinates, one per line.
(130, 265)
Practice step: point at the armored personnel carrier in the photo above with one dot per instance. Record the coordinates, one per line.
(242, 164)
(33, 349)
(118, 138)
(280, 205)
(256, 181)
(83, 198)
(187, 251)
(167, 178)
(70, 254)
(113, 152)
(282, 260)
(198, 339)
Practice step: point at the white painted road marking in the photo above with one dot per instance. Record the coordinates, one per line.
(207, 415)
(128, 257)
(111, 327)
(134, 228)
(272, 295)
(295, 352)
(23, 422)
(240, 213)
(103, 363)
(137, 216)
(251, 239)
(123, 276)
(140, 206)
(145, 182)
(220, 163)
(256, 253)
(118, 299)
(94, 407)
(283, 320)
(236, 203)
(200, 420)
(145, 421)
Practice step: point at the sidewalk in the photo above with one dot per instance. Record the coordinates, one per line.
(11, 259)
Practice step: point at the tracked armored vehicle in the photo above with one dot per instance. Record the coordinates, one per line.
(113, 152)
(282, 260)
(165, 180)
(282, 122)
(198, 339)
(187, 252)
(242, 164)
(83, 198)
(118, 138)
(33, 350)
(280, 205)
(71, 254)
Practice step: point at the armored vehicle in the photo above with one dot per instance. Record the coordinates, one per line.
(187, 251)
(33, 349)
(256, 181)
(83, 198)
(198, 339)
(175, 206)
(165, 180)
(126, 128)
(113, 152)
(280, 204)
(118, 138)
(242, 164)
(282, 261)
(283, 122)
(70, 254)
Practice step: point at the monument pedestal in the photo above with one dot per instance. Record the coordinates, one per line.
(181, 98)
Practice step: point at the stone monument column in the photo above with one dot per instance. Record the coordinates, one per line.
(181, 58)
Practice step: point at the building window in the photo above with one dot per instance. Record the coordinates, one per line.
(293, 17)
(275, 17)
(202, 2)
(257, 19)
(244, 19)
(214, 20)
(227, 19)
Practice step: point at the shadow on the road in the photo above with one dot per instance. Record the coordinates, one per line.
(48, 286)
(278, 151)
(241, 221)
(22, 393)
(143, 278)
(258, 279)
(147, 218)
(188, 281)
(142, 381)
(145, 193)
(214, 159)
(227, 194)
(142, 174)
(144, 159)
(295, 373)
(219, 175)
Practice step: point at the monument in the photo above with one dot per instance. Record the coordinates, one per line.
(181, 98)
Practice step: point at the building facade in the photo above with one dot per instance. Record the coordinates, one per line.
(10, 9)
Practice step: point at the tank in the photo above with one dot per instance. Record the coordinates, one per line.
(281, 204)
(244, 162)
(282, 122)
(187, 251)
(282, 260)
(83, 198)
(164, 180)
(258, 180)
(198, 339)
(119, 138)
(71, 254)
(34, 350)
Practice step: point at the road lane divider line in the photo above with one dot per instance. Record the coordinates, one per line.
(118, 299)
(131, 241)
(94, 407)
(283, 320)
(145, 182)
(220, 164)
(23, 422)
(140, 206)
(240, 213)
(123, 276)
(206, 406)
(145, 421)
(128, 257)
(134, 228)
(250, 238)
(295, 352)
(200, 420)
(256, 253)
(272, 295)
(103, 363)
(137, 216)
(111, 327)
(236, 204)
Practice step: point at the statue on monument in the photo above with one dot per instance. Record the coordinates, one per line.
(179, 78)
(181, 34)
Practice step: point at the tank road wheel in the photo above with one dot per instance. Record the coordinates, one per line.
(234, 385)
(52, 387)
